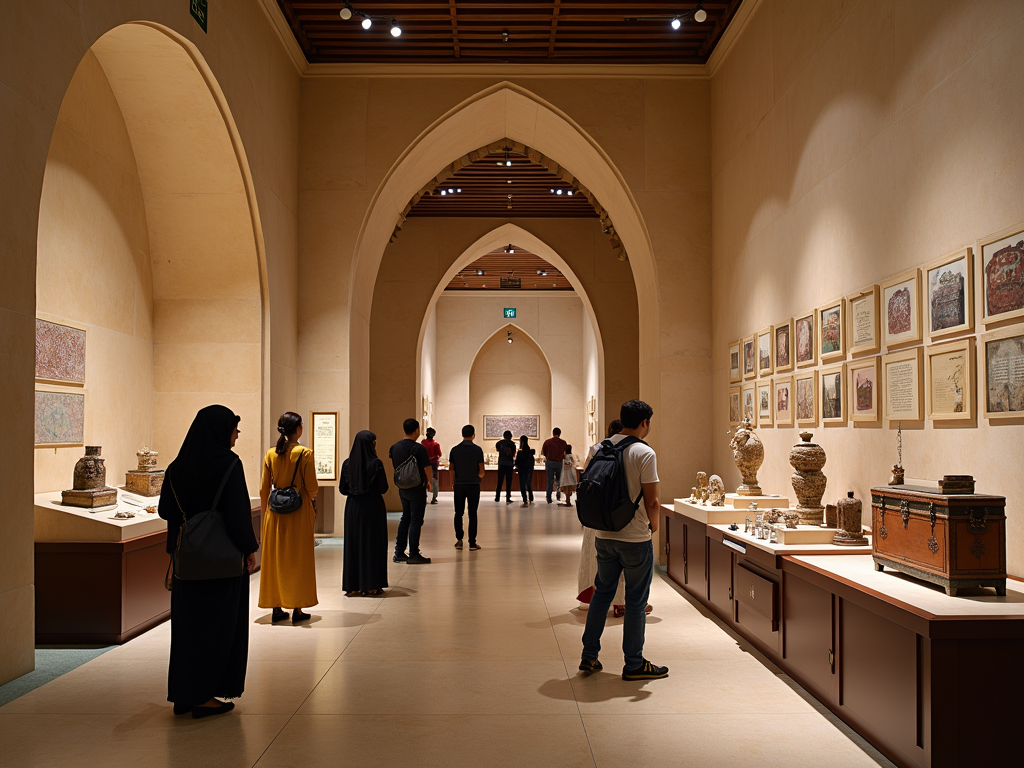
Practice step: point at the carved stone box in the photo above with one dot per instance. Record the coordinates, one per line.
(955, 541)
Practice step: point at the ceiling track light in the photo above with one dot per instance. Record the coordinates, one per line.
(509, 206)
(697, 13)
(509, 337)
(509, 248)
(396, 31)
(347, 12)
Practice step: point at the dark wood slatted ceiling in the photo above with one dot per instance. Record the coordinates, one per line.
(483, 187)
(539, 31)
(531, 270)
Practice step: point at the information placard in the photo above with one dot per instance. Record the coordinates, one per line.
(325, 444)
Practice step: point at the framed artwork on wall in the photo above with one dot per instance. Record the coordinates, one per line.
(764, 403)
(806, 388)
(735, 370)
(783, 347)
(749, 403)
(765, 365)
(949, 380)
(901, 309)
(1001, 275)
(59, 418)
(325, 443)
(949, 287)
(902, 386)
(750, 357)
(805, 342)
(865, 390)
(862, 322)
(495, 426)
(735, 406)
(783, 400)
(833, 394)
(1002, 371)
(832, 331)
(60, 353)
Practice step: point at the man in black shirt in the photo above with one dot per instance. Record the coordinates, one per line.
(506, 465)
(414, 500)
(467, 460)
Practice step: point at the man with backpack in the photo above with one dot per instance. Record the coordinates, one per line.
(412, 465)
(620, 476)
(506, 465)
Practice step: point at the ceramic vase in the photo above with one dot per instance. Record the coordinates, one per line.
(748, 453)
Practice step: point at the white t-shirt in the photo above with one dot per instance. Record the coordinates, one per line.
(641, 464)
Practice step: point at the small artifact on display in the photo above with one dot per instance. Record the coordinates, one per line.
(831, 516)
(702, 487)
(956, 540)
(791, 518)
(897, 468)
(808, 480)
(89, 488)
(147, 480)
(851, 530)
(950, 484)
(123, 514)
(716, 491)
(748, 453)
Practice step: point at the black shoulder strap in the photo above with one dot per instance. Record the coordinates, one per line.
(295, 474)
(224, 483)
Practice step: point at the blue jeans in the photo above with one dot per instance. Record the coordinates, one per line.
(414, 507)
(554, 471)
(635, 559)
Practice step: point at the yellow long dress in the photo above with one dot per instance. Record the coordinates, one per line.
(288, 570)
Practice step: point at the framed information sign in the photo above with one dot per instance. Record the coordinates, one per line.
(325, 444)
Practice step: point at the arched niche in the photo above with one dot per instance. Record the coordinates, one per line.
(510, 379)
(149, 239)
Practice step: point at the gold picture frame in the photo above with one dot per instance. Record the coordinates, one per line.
(1001, 285)
(862, 322)
(782, 346)
(1002, 374)
(900, 309)
(949, 381)
(735, 406)
(805, 340)
(748, 402)
(735, 362)
(765, 358)
(782, 400)
(831, 321)
(832, 394)
(947, 310)
(805, 390)
(765, 410)
(60, 416)
(903, 385)
(748, 357)
(865, 390)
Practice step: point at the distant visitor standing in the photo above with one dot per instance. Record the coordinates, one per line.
(434, 454)
(506, 464)
(569, 477)
(553, 452)
(411, 464)
(526, 458)
(364, 481)
(467, 462)
(288, 568)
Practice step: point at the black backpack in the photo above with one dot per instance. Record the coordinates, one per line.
(602, 496)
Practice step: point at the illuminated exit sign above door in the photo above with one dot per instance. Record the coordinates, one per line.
(510, 312)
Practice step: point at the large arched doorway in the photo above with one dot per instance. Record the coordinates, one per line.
(149, 241)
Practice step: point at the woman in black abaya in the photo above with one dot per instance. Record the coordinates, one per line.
(209, 618)
(364, 481)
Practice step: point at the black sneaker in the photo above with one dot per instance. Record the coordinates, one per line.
(418, 559)
(474, 547)
(645, 671)
(590, 665)
(400, 557)
(458, 544)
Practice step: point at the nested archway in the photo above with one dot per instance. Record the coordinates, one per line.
(150, 239)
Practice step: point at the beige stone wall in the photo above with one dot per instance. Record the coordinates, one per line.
(850, 142)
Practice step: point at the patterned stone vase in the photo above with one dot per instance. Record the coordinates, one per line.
(748, 453)
(90, 471)
(809, 482)
(850, 524)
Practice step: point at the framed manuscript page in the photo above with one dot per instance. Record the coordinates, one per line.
(865, 392)
(764, 403)
(325, 443)
(902, 386)
(806, 389)
(749, 403)
(783, 400)
(783, 347)
(735, 406)
(1001, 275)
(862, 319)
(805, 341)
(765, 358)
(949, 380)
(832, 331)
(750, 357)
(949, 288)
(833, 394)
(1002, 372)
(735, 369)
(901, 309)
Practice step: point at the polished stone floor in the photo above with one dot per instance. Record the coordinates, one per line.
(469, 661)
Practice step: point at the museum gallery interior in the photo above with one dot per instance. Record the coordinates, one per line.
(795, 228)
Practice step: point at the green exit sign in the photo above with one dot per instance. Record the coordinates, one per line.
(198, 9)
(510, 312)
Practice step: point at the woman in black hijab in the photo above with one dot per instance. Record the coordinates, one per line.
(209, 618)
(364, 481)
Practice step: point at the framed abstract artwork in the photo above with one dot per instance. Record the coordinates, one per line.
(902, 388)
(750, 357)
(1001, 275)
(765, 356)
(783, 347)
(949, 288)
(865, 392)
(60, 353)
(783, 400)
(749, 403)
(806, 389)
(862, 322)
(764, 403)
(832, 331)
(833, 394)
(59, 419)
(735, 369)
(901, 309)
(735, 406)
(495, 426)
(805, 341)
(949, 381)
(1002, 371)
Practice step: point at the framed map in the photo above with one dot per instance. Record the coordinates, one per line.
(495, 426)
(60, 419)
(60, 353)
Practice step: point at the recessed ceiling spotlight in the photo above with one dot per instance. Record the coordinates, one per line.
(443, 193)
(450, 191)
(504, 35)
(676, 23)
(396, 30)
(558, 192)
(552, 190)
(569, 193)
(480, 273)
(367, 22)
(458, 189)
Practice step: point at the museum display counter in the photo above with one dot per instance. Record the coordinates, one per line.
(929, 679)
(100, 579)
(446, 479)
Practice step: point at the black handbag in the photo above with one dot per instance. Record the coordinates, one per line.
(284, 501)
(204, 549)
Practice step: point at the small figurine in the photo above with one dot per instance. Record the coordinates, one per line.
(774, 538)
(716, 491)
(791, 519)
(702, 487)
(746, 524)
(123, 514)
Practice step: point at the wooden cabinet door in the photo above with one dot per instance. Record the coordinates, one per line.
(696, 560)
(720, 578)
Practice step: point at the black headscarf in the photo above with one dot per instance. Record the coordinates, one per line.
(204, 458)
(362, 462)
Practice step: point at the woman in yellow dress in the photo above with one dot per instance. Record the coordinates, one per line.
(288, 569)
